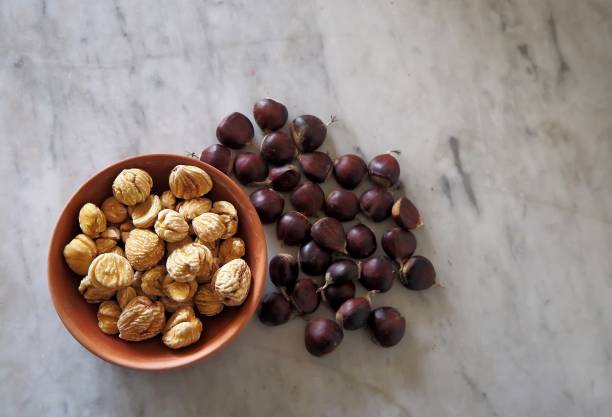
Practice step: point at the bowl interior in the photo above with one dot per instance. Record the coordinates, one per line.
(79, 317)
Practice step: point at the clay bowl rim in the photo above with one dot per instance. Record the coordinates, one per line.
(206, 350)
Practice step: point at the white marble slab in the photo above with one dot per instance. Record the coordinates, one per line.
(501, 109)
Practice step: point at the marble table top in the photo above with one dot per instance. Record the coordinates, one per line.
(501, 109)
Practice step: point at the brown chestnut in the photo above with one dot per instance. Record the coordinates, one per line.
(277, 148)
(274, 309)
(376, 204)
(353, 314)
(308, 198)
(219, 156)
(406, 214)
(284, 178)
(417, 273)
(341, 270)
(336, 294)
(377, 273)
(250, 167)
(398, 243)
(293, 228)
(322, 336)
(360, 241)
(387, 326)
(268, 203)
(308, 132)
(304, 296)
(316, 166)
(235, 131)
(283, 270)
(313, 259)
(342, 205)
(329, 234)
(270, 114)
(349, 170)
(384, 170)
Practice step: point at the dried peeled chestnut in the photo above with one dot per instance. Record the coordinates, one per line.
(293, 228)
(315, 165)
(219, 156)
(304, 296)
(353, 314)
(277, 148)
(308, 198)
(274, 309)
(313, 259)
(270, 114)
(336, 294)
(235, 131)
(377, 273)
(342, 205)
(283, 270)
(268, 203)
(376, 203)
(349, 170)
(329, 234)
(406, 214)
(360, 241)
(308, 132)
(387, 326)
(417, 273)
(398, 243)
(384, 170)
(250, 167)
(322, 336)
(342, 270)
(284, 178)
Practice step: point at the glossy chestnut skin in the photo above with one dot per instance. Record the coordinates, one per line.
(329, 234)
(342, 205)
(250, 167)
(308, 132)
(398, 243)
(353, 314)
(360, 241)
(417, 273)
(268, 203)
(270, 114)
(219, 156)
(377, 273)
(405, 214)
(315, 165)
(313, 259)
(336, 294)
(376, 204)
(293, 228)
(387, 326)
(384, 170)
(284, 178)
(274, 309)
(283, 269)
(277, 148)
(322, 336)
(308, 198)
(342, 270)
(235, 131)
(349, 170)
(305, 296)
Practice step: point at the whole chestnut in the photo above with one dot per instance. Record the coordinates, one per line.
(270, 114)
(308, 198)
(406, 214)
(235, 131)
(316, 166)
(283, 270)
(277, 148)
(284, 178)
(353, 314)
(384, 170)
(336, 294)
(417, 273)
(304, 296)
(219, 156)
(342, 270)
(376, 204)
(313, 259)
(360, 241)
(293, 228)
(329, 234)
(387, 326)
(268, 203)
(322, 336)
(308, 132)
(274, 309)
(349, 170)
(398, 243)
(342, 205)
(250, 167)
(377, 273)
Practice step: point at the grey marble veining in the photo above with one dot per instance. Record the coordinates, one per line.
(501, 109)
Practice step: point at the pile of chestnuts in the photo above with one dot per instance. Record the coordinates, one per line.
(333, 258)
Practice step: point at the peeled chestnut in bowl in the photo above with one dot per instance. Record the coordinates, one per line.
(270, 114)
(316, 166)
(268, 203)
(349, 170)
(360, 241)
(274, 309)
(376, 203)
(219, 156)
(387, 326)
(308, 132)
(284, 178)
(377, 273)
(322, 336)
(398, 243)
(336, 294)
(342, 205)
(250, 167)
(235, 131)
(384, 170)
(417, 273)
(313, 259)
(283, 269)
(277, 148)
(293, 228)
(308, 198)
(304, 296)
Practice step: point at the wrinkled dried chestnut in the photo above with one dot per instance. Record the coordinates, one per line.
(342, 205)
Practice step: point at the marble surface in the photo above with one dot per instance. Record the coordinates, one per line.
(501, 109)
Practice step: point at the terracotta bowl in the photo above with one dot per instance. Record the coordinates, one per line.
(79, 317)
